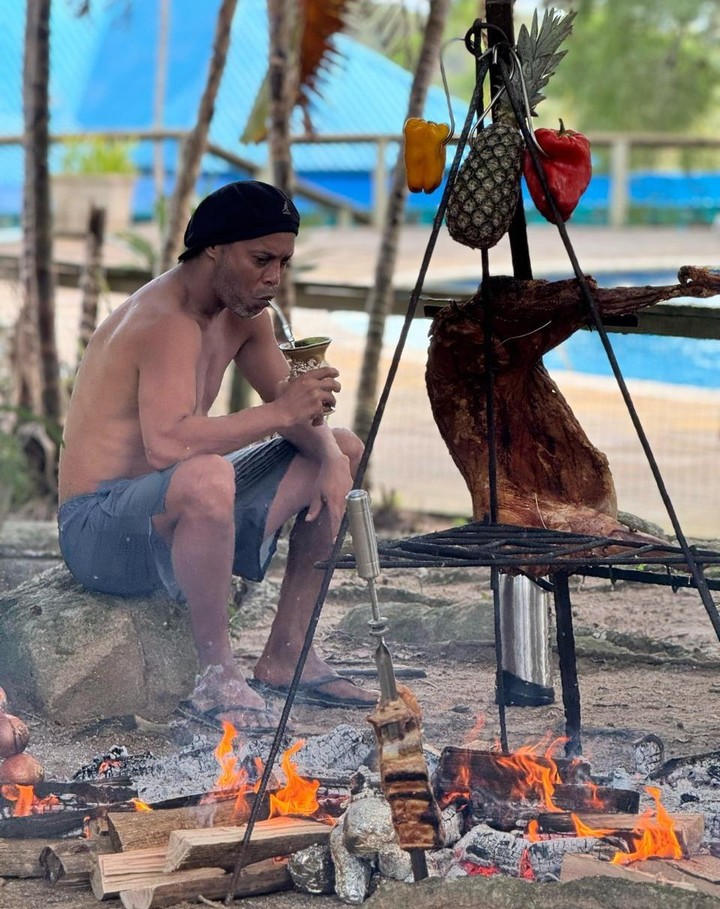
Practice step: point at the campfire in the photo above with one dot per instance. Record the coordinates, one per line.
(526, 814)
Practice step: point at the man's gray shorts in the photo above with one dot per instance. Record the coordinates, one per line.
(109, 544)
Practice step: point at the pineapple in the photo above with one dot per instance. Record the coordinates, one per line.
(486, 189)
(485, 193)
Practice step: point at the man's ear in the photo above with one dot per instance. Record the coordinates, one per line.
(210, 251)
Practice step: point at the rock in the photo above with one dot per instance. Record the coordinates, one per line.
(510, 893)
(420, 623)
(79, 656)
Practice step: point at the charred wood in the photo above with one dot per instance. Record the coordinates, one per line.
(689, 828)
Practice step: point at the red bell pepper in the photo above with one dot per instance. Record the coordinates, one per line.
(567, 166)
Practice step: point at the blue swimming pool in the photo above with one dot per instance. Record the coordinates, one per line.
(676, 361)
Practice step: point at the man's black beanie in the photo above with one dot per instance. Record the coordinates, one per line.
(239, 211)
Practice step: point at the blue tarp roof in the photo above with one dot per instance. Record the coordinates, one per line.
(103, 70)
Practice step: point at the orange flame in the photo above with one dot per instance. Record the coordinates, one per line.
(533, 831)
(657, 835)
(298, 796)
(139, 805)
(232, 779)
(460, 789)
(26, 802)
(595, 800)
(538, 775)
(477, 728)
(583, 829)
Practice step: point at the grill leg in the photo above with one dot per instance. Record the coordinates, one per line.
(568, 664)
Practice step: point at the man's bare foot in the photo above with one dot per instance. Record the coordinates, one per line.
(221, 694)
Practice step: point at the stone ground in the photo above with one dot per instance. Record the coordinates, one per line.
(648, 662)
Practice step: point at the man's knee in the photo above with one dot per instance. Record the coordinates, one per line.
(204, 483)
(350, 445)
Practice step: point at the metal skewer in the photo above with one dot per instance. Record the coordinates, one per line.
(367, 561)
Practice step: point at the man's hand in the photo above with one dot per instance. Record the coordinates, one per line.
(308, 397)
(334, 482)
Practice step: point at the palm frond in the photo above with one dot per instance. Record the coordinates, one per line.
(323, 19)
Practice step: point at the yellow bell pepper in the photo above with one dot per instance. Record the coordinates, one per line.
(425, 145)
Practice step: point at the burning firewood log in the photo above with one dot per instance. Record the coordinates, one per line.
(548, 472)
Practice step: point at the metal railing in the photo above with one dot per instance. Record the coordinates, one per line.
(619, 147)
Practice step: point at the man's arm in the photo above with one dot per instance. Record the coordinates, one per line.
(174, 426)
(264, 366)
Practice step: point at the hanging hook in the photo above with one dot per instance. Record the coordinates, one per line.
(478, 26)
(517, 65)
(447, 89)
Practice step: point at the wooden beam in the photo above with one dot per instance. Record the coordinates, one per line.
(268, 876)
(218, 846)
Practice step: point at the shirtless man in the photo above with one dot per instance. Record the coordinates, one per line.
(155, 492)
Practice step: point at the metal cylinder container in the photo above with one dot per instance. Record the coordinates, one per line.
(525, 633)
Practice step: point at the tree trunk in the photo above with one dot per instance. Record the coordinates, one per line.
(194, 145)
(381, 292)
(283, 68)
(37, 373)
(91, 280)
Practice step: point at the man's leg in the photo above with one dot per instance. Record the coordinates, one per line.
(310, 542)
(198, 524)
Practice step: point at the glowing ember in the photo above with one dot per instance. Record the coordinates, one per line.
(537, 775)
(525, 870)
(484, 871)
(298, 796)
(139, 805)
(656, 835)
(26, 802)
